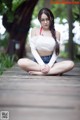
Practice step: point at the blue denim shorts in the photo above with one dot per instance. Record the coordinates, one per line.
(45, 59)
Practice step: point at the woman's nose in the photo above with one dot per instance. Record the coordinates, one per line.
(45, 21)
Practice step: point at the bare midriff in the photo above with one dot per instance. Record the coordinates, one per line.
(44, 53)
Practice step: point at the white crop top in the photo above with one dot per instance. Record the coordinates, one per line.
(44, 43)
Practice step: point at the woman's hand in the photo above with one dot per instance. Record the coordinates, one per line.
(45, 69)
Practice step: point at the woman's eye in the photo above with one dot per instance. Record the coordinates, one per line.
(42, 20)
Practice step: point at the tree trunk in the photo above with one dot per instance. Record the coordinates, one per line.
(70, 43)
(20, 27)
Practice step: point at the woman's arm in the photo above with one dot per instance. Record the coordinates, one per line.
(33, 48)
(53, 59)
(54, 56)
(58, 36)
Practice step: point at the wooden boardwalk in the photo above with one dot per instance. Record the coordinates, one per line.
(29, 97)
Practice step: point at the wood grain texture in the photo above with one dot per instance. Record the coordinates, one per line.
(29, 97)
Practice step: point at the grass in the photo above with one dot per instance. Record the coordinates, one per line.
(5, 62)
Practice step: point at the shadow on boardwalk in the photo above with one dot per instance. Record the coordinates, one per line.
(29, 97)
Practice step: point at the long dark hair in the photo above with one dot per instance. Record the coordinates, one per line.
(50, 16)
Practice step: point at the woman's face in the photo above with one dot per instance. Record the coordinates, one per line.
(45, 22)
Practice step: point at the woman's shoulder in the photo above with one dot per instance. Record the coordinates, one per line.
(35, 31)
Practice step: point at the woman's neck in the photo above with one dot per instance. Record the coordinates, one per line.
(45, 29)
(45, 32)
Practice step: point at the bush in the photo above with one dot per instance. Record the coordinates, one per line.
(5, 62)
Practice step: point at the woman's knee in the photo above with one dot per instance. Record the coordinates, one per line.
(23, 62)
(70, 64)
(20, 62)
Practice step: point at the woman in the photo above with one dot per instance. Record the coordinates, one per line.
(44, 45)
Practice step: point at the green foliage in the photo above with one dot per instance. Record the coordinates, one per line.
(8, 7)
(16, 3)
(59, 10)
(4, 40)
(63, 54)
(39, 5)
(5, 62)
(5, 6)
(76, 12)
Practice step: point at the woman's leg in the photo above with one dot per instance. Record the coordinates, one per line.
(28, 65)
(58, 68)
(61, 67)
(34, 68)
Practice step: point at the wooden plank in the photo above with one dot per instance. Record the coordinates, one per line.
(23, 98)
(42, 114)
(29, 97)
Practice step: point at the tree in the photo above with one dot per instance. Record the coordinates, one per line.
(71, 13)
(70, 43)
(17, 15)
(19, 26)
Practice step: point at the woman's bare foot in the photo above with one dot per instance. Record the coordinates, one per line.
(35, 73)
(43, 74)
